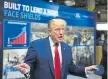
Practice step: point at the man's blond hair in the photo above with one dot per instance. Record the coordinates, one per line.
(57, 21)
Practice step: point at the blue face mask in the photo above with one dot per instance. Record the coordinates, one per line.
(99, 71)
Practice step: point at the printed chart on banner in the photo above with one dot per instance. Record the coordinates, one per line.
(20, 38)
(16, 34)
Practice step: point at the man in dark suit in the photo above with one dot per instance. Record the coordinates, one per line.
(51, 57)
(104, 58)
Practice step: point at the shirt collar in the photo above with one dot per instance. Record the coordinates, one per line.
(51, 42)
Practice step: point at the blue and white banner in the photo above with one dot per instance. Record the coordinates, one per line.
(43, 12)
(28, 20)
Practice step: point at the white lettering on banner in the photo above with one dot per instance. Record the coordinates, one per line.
(25, 8)
(21, 23)
(31, 16)
(30, 9)
(49, 12)
(35, 10)
(14, 6)
(46, 12)
(14, 14)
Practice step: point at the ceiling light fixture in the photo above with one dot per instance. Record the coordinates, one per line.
(99, 12)
(69, 2)
(50, 0)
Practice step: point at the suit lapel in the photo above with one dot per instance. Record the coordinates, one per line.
(49, 55)
(63, 59)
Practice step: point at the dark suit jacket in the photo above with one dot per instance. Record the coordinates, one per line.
(104, 59)
(39, 58)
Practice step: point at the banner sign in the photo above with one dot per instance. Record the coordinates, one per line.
(25, 21)
(43, 12)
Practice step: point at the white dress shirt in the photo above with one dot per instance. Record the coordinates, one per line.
(53, 49)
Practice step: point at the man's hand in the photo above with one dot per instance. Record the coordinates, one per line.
(90, 68)
(23, 68)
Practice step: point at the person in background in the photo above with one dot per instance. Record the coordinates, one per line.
(79, 36)
(51, 57)
(104, 58)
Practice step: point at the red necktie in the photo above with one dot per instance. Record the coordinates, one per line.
(57, 63)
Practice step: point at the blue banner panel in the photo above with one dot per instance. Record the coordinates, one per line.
(43, 12)
(35, 15)
(16, 34)
(1, 35)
